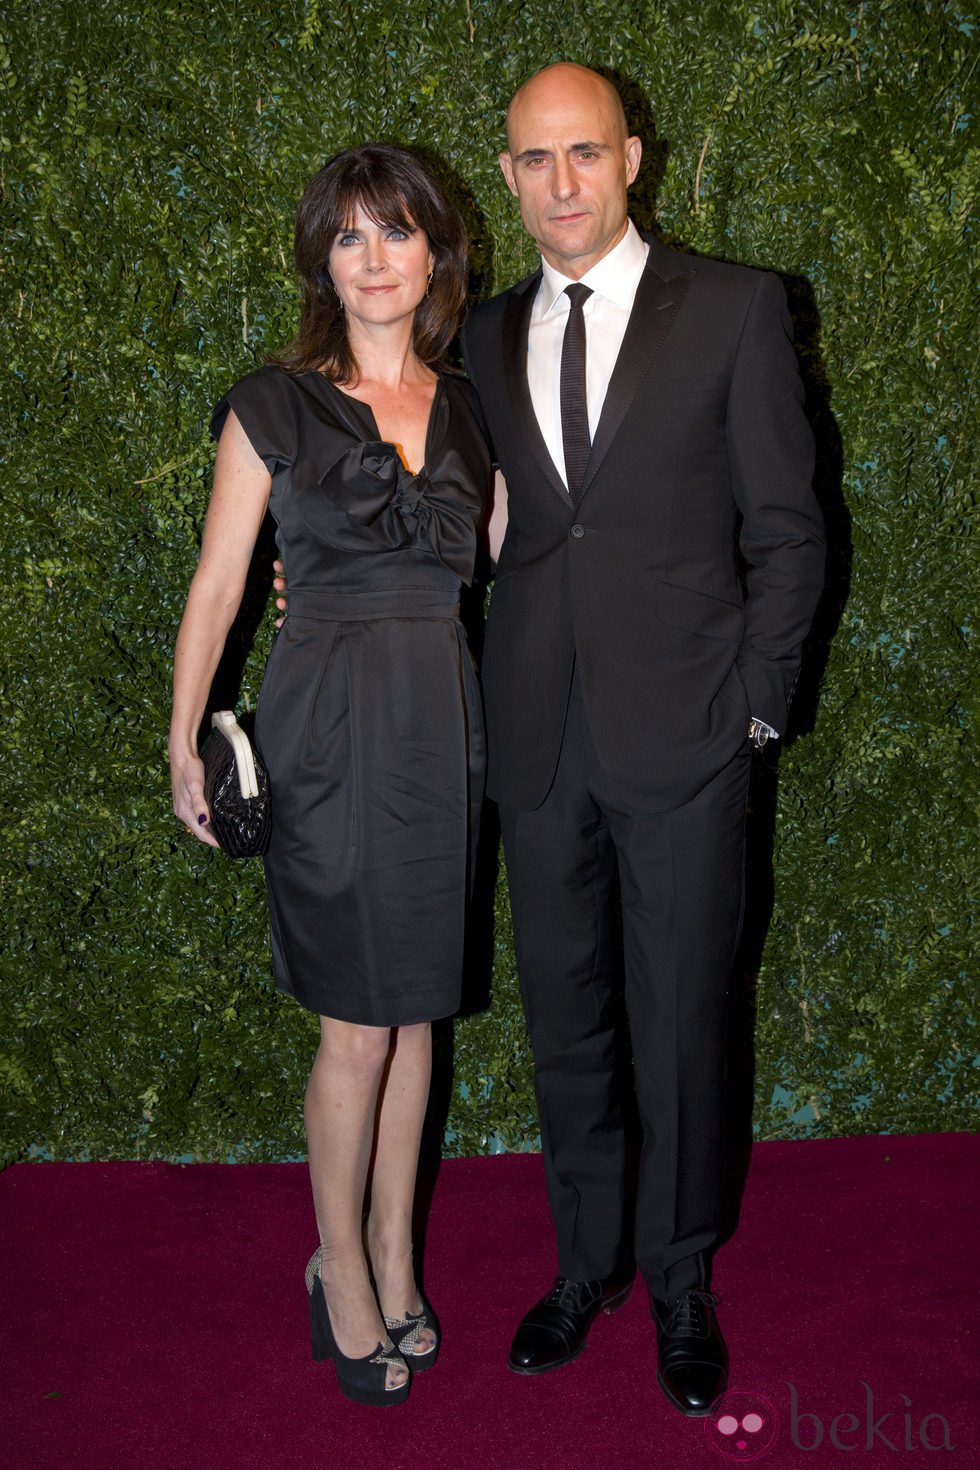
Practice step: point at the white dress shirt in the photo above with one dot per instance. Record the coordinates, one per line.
(613, 281)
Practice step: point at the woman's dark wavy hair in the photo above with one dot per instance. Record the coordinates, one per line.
(395, 188)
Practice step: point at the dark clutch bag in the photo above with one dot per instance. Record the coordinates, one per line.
(236, 789)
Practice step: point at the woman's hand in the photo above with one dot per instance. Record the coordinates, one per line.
(279, 583)
(187, 781)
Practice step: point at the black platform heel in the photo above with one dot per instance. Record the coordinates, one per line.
(406, 1331)
(360, 1379)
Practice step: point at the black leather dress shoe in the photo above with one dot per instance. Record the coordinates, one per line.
(555, 1329)
(692, 1364)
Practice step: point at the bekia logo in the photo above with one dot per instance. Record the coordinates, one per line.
(743, 1425)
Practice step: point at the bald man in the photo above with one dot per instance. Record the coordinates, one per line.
(646, 412)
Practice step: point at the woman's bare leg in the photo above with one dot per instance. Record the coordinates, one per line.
(340, 1113)
(404, 1096)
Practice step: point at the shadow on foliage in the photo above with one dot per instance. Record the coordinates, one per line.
(227, 682)
(640, 121)
(828, 483)
(763, 793)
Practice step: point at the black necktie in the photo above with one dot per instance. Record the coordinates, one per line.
(574, 401)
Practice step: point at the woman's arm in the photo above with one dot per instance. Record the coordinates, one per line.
(237, 506)
(497, 524)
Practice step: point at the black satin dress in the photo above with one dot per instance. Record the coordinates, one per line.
(369, 718)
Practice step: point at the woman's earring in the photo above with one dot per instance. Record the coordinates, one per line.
(428, 283)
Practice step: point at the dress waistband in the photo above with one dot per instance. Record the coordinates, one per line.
(327, 605)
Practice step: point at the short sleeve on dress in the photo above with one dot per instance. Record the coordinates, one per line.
(265, 403)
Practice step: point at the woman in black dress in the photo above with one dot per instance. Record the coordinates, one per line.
(376, 470)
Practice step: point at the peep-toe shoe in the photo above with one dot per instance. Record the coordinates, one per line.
(406, 1331)
(361, 1379)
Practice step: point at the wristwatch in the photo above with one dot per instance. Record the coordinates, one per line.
(760, 733)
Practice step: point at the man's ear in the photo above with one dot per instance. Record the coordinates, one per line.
(507, 169)
(634, 152)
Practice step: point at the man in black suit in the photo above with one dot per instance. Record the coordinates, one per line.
(646, 412)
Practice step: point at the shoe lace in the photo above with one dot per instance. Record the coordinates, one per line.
(565, 1292)
(686, 1313)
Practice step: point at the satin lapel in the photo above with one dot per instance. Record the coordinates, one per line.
(655, 306)
(517, 317)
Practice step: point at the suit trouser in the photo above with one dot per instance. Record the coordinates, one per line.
(681, 879)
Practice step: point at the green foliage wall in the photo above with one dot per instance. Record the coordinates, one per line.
(152, 155)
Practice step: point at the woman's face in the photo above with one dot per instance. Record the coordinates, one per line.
(380, 272)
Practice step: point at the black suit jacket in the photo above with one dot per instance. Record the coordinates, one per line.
(702, 445)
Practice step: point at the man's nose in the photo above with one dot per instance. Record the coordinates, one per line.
(563, 181)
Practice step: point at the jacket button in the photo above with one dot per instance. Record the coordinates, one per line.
(578, 531)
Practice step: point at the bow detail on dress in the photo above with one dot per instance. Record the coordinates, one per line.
(388, 507)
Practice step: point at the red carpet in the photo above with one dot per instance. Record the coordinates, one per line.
(155, 1320)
